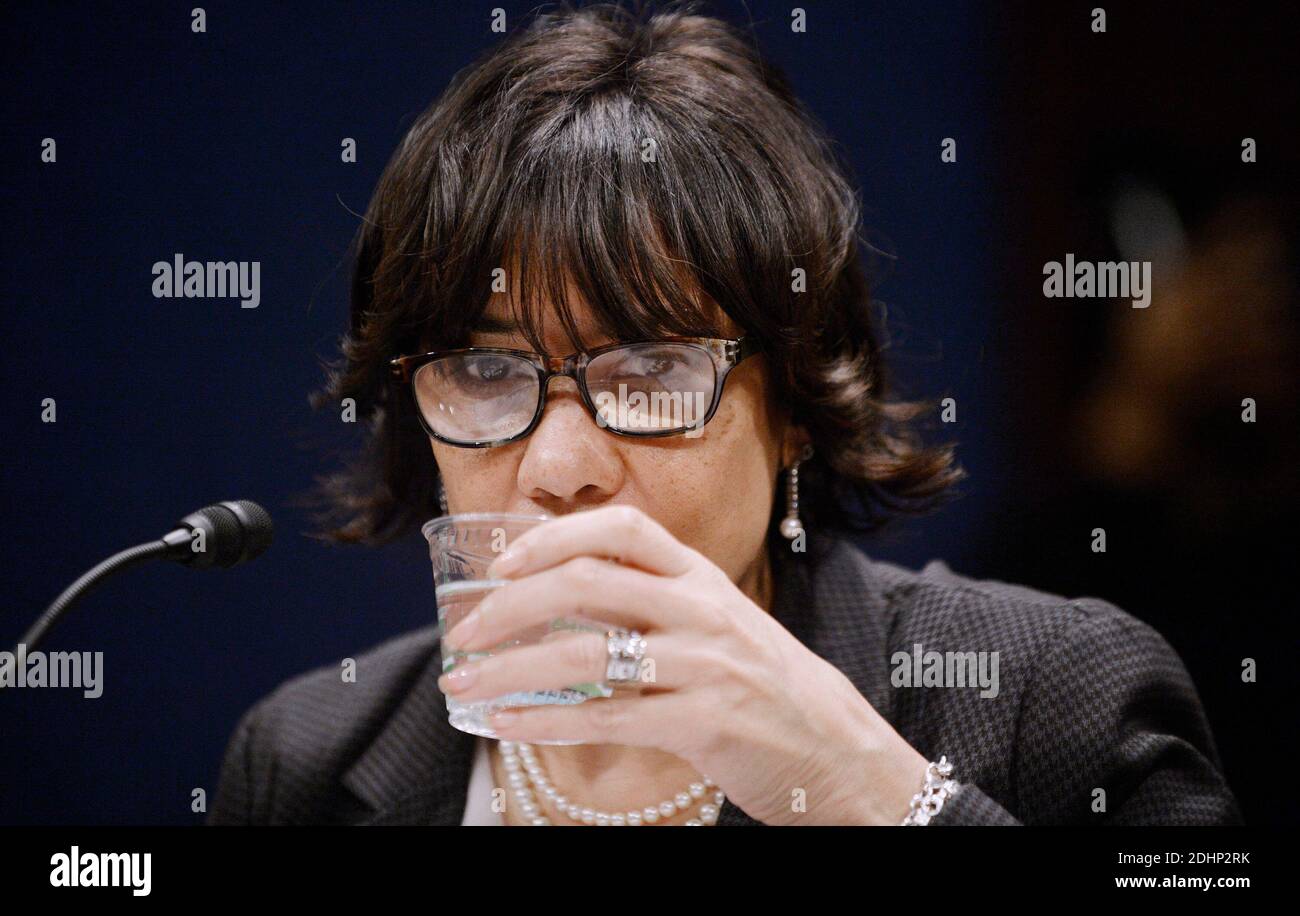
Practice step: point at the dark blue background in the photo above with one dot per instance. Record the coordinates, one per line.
(226, 146)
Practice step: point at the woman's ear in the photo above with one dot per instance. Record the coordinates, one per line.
(793, 444)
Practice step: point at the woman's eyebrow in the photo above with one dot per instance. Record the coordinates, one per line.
(486, 324)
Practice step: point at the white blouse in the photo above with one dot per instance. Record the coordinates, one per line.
(478, 799)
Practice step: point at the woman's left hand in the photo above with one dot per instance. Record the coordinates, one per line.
(784, 733)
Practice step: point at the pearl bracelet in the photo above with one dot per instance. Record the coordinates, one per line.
(929, 801)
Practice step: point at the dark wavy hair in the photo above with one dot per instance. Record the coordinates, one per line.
(646, 158)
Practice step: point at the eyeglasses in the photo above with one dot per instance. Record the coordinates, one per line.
(478, 397)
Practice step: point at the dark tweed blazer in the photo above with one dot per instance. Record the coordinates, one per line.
(1089, 698)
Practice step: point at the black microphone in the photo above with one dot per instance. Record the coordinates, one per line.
(222, 535)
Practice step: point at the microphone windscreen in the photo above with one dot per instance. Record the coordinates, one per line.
(259, 530)
(233, 532)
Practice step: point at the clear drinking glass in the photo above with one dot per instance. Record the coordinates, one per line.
(461, 548)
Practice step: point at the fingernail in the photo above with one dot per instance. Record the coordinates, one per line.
(504, 718)
(462, 632)
(507, 563)
(458, 679)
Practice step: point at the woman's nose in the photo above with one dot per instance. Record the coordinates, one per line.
(568, 456)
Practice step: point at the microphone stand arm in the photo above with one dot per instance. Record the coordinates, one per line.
(132, 556)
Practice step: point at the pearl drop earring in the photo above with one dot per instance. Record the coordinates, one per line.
(792, 525)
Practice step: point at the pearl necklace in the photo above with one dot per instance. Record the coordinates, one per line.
(525, 774)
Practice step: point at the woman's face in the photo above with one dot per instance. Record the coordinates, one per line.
(712, 492)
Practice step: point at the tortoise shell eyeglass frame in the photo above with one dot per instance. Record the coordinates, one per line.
(726, 353)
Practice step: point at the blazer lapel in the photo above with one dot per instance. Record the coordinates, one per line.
(417, 770)
(846, 620)
(830, 601)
